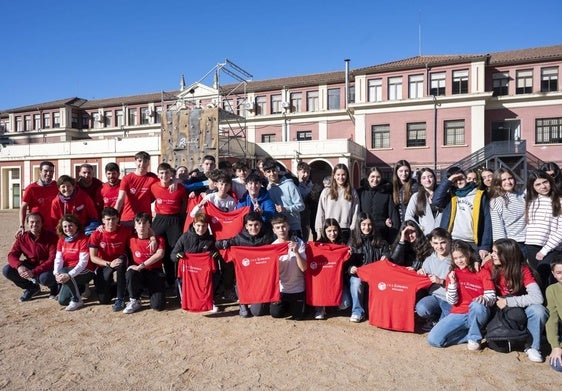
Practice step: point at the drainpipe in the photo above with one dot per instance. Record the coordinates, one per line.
(347, 60)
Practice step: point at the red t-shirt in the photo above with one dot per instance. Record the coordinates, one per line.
(141, 251)
(191, 202)
(226, 225)
(469, 286)
(392, 294)
(501, 287)
(196, 271)
(71, 251)
(323, 275)
(111, 245)
(110, 194)
(138, 196)
(81, 205)
(168, 203)
(257, 272)
(39, 199)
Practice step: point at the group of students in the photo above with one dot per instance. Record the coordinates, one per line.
(476, 247)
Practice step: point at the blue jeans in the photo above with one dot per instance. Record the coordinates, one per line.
(356, 290)
(459, 328)
(536, 318)
(433, 308)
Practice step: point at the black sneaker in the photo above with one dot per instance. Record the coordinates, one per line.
(29, 293)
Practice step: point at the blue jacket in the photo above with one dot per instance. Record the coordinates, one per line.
(264, 201)
(481, 219)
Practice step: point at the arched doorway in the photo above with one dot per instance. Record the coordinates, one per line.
(319, 169)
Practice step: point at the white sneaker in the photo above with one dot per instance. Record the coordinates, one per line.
(473, 345)
(320, 313)
(132, 306)
(215, 309)
(534, 355)
(74, 305)
(356, 318)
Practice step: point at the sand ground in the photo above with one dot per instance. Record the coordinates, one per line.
(43, 347)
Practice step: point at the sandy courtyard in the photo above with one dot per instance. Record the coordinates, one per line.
(43, 347)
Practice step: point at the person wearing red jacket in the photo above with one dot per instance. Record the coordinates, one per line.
(72, 200)
(30, 261)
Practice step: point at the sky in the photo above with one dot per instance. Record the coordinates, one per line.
(98, 49)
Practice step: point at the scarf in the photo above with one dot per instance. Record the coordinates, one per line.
(465, 190)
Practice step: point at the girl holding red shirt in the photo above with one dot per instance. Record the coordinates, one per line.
(72, 267)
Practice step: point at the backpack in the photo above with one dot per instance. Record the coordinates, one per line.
(507, 330)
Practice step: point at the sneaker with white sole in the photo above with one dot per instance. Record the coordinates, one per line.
(132, 306)
(215, 309)
(473, 345)
(29, 293)
(534, 355)
(74, 305)
(320, 313)
(356, 318)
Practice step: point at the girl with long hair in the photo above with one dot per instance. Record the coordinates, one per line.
(403, 186)
(411, 247)
(420, 208)
(339, 201)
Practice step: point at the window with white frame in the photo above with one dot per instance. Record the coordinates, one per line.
(460, 82)
(276, 104)
(56, 119)
(120, 118)
(132, 117)
(524, 82)
(380, 136)
(352, 94)
(296, 102)
(108, 119)
(454, 132)
(19, 124)
(334, 99)
(144, 118)
(261, 104)
(375, 90)
(395, 88)
(548, 130)
(268, 138)
(437, 84)
(304, 135)
(27, 123)
(158, 115)
(312, 101)
(415, 134)
(74, 120)
(549, 79)
(415, 86)
(36, 121)
(500, 83)
(46, 120)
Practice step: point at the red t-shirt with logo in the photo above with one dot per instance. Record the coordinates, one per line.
(469, 286)
(141, 251)
(196, 271)
(392, 294)
(138, 196)
(39, 199)
(168, 203)
(257, 272)
(323, 275)
(110, 194)
(71, 251)
(226, 225)
(111, 245)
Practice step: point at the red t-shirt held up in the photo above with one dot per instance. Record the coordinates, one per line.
(196, 271)
(323, 276)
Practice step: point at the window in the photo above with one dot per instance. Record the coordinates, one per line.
(158, 115)
(120, 118)
(303, 135)
(524, 81)
(454, 132)
(56, 120)
(241, 107)
(261, 104)
(334, 99)
(132, 117)
(549, 79)
(108, 119)
(415, 86)
(276, 104)
(144, 115)
(375, 90)
(19, 124)
(27, 123)
(500, 82)
(97, 120)
(395, 88)
(268, 138)
(380, 136)
(3, 127)
(296, 102)
(548, 130)
(437, 84)
(351, 94)
(415, 134)
(312, 101)
(229, 105)
(85, 121)
(460, 82)
(46, 121)
(74, 120)
(37, 122)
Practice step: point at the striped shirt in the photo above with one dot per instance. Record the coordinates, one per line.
(543, 229)
(508, 217)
